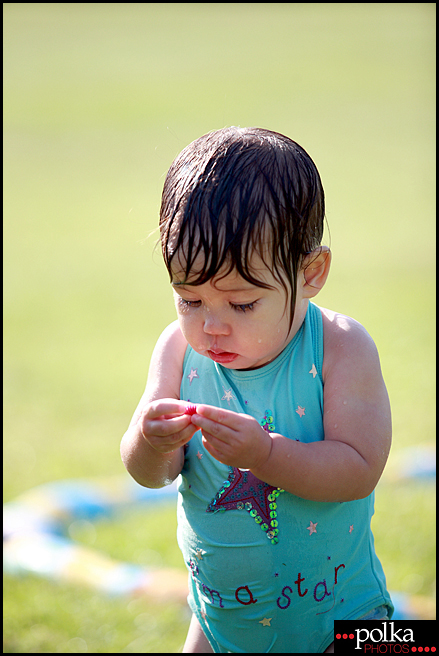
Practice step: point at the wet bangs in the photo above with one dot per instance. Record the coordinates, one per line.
(218, 232)
(235, 193)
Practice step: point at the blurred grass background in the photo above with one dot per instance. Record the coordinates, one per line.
(98, 100)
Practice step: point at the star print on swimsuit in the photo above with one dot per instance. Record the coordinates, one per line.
(244, 491)
(228, 395)
(266, 621)
(312, 528)
(192, 375)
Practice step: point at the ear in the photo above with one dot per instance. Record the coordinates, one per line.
(315, 270)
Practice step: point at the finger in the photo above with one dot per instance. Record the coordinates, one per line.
(172, 442)
(182, 438)
(216, 453)
(213, 441)
(165, 427)
(220, 431)
(188, 433)
(165, 407)
(218, 415)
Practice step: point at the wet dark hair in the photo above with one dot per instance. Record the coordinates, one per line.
(236, 191)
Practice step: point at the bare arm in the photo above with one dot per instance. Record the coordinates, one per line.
(348, 463)
(152, 447)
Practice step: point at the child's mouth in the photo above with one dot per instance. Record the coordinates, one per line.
(222, 357)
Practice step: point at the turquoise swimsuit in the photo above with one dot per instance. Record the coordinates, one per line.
(269, 571)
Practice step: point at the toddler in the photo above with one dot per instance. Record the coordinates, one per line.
(272, 411)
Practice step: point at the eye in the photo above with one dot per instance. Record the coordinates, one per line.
(244, 307)
(192, 304)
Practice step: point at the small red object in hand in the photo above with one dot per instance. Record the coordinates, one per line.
(191, 409)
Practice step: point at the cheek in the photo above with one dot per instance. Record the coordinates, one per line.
(186, 324)
(192, 330)
(268, 336)
(258, 338)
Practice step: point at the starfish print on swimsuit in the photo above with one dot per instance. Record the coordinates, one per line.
(244, 491)
(228, 395)
(192, 375)
(312, 528)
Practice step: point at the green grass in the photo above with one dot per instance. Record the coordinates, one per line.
(99, 98)
(80, 622)
(43, 616)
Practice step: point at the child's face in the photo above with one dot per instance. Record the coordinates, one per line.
(235, 323)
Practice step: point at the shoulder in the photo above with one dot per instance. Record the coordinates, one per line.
(172, 337)
(356, 407)
(346, 343)
(166, 366)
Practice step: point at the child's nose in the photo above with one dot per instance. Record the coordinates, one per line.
(215, 325)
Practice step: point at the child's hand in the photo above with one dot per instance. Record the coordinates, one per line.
(165, 426)
(234, 439)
